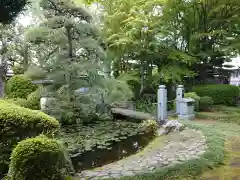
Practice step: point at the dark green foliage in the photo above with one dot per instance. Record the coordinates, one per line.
(103, 135)
(18, 123)
(10, 9)
(19, 87)
(221, 93)
(17, 70)
(37, 158)
(205, 103)
(147, 107)
(195, 97)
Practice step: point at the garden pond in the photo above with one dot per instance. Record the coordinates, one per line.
(104, 142)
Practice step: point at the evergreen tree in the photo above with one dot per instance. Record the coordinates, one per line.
(9, 9)
(74, 61)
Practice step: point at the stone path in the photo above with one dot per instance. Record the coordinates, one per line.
(176, 148)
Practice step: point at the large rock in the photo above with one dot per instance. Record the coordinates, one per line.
(172, 126)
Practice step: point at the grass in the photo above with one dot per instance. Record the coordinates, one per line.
(222, 114)
(193, 169)
(227, 172)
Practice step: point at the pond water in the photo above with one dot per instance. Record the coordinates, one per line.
(99, 157)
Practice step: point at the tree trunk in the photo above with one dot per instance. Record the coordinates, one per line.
(70, 58)
(142, 79)
(25, 57)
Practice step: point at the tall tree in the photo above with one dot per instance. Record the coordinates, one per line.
(206, 29)
(9, 9)
(135, 30)
(73, 59)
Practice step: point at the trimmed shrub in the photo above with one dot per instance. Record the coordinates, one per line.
(194, 96)
(19, 102)
(220, 93)
(206, 103)
(33, 100)
(18, 123)
(18, 70)
(19, 87)
(37, 158)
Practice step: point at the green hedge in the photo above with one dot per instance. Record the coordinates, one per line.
(38, 158)
(220, 93)
(32, 101)
(17, 123)
(19, 86)
(205, 103)
(18, 101)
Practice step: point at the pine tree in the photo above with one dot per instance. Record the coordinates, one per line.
(73, 61)
(9, 9)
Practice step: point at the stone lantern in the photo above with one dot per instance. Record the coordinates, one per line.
(45, 101)
(5, 73)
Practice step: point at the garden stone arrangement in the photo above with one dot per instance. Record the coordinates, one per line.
(176, 148)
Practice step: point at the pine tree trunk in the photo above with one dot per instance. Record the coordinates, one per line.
(142, 79)
(25, 57)
(70, 58)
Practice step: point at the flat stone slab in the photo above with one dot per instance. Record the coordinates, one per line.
(213, 178)
(132, 114)
(178, 147)
(235, 162)
(236, 148)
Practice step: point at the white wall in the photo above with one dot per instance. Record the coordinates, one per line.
(235, 78)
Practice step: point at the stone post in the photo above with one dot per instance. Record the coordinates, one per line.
(2, 83)
(2, 79)
(162, 104)
(179, 97)
(46, 103)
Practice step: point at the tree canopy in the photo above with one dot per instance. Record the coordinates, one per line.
(9, 9)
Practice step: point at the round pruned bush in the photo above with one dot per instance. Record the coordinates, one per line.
(18, 123)
(206, 103)
(194, 96)
(220, 93)
(19, 86)
(38, 158)
(32, 101)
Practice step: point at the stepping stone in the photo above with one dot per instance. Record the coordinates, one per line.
(235, 162)
(236, 147)
(213, 178)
